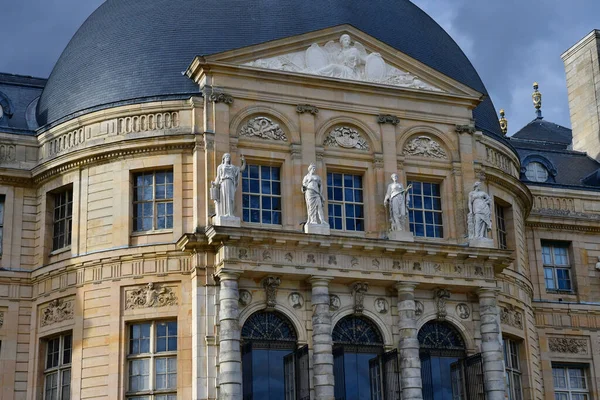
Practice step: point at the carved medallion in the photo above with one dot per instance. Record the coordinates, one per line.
(151, 295)
(463, 311)
(263, 128)
(57, 311)
(271, 284)
(381, 306)
(334, 302)
(245, 298)
(296, 300)
(346, 137)
(567, 345)
(424, 146)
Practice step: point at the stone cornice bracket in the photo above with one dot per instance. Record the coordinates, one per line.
(271, 284)
(359, 289)
(388, 119)
(441, 295)
(216, 96)
(470, 129)
(306, 108)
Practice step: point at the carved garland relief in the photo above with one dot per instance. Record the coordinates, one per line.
(346, 137)
(150, 295)
(568, 345)
(424, 146)
(263, 128)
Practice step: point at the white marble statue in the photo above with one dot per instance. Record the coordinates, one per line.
(225, 185)
(312, 187)
(480, 213)
(397, 200)
(345, 59)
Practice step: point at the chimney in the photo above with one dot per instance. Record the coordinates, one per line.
(582, 67)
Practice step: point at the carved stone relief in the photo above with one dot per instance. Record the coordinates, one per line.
(381, 306)
(568, 345)
(424, 146)
(509, 315)
(296, 300)
(1, 319)
(220, 98)
(306, 108)
(57, 311)
(151, 295)
(344, 59)
(359, 289)
(271, 284)
(245, 298)
(440, 296)
(463, 311)
(419, 308)
(388, 119)
(8, 152)
(263, 128)
(334, 302)
(346, 137)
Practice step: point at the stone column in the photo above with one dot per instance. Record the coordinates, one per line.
(322, 343)
(230, 357)
(491, 345)
(408, 347)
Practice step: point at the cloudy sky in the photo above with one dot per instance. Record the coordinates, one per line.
(512, 43)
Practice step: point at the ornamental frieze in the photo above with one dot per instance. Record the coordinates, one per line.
(263, 128)
(151, 295)
(56, 311)
(568, 345)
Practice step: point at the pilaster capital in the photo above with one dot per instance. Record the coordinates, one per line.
(322, 281)
(228, 275)
(484, 292)
(406, 286)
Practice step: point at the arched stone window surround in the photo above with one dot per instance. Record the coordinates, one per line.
(299, 326)
(288, 126)
(384, 327)
(552, 172)
(433, 133)
(467, 336)
(7, 108)
(370, 136)
(291, 336)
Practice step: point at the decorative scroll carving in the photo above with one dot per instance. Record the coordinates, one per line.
(307, 108)
(424, 146)
(465, 129)
(148, 122)
(568, 345)
(296, 300)
(359, 289)
(271, 284)
(510, 316)
(463, 311)
(57, 311)
(264, 128)
(334, 302)
(245, 298)
(150, 295)
(345, 59)
(346, 137)
(8, 152)
(217, 97)
(440, 296)
(388, 119)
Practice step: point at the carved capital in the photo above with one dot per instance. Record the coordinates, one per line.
(388, 119)
(57, 311)
(151, 295)
(306, 108)
(271, 284)
(465, 129)
(359, 289)
(219, 97)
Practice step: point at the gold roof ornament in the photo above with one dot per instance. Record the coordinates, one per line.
(537, 100)
(503, 122)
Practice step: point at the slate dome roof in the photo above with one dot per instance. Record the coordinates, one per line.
(136, 50)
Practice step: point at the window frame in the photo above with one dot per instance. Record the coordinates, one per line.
(2, 211)
(539, 167)
(512, 350)
(568, 390)
(501, 226)
(412, 210)
(60, 368)
(151, 356)
(67, 192)
(262, 195)
(554, 267)
(155, 202)
(331, 202)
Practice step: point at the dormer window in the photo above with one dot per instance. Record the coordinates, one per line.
(536, 172)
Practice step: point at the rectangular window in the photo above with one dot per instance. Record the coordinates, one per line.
(425, 210)
(570, 383)
(63, 219)
(152, 201)
(152, 370)
(345, 202)
(501, 227)
(57, 368)
(261, 194)
(557, 271)
(2, 198)
(513, 370)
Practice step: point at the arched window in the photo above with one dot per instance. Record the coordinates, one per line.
(361, 369)
(536, 172)
(272, 366)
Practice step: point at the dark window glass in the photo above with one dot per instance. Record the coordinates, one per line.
(261, 195)
(345, 202)
(57, 372)
(63, 218)
(557, 271)
(513, 369)
(501, 227)
(425, 213)
(152, 201)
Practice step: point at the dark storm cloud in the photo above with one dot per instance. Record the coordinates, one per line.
(512, 43)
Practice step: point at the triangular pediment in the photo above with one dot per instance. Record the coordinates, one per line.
(342, 53)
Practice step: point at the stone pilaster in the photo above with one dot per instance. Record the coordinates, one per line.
(491, 345)
(408, 347)
(322, 343)
(230, 357)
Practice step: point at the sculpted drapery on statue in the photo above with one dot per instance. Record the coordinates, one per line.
(397, 200)
(225, 185)
(480, 213)
(312, 187)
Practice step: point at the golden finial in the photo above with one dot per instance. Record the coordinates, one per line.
(537, 100)
(503, 122)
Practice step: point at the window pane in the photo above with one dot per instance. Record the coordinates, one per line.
(576, 378)
(51, 386)
(66, 385)
(139, 375)
(67, 344)
(547, 255)
(559, 378)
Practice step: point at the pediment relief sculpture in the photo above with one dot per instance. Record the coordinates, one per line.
(263, 128)
(344, 59)
(347, 138)
(57, 311)
(151, 295)
(424, 146)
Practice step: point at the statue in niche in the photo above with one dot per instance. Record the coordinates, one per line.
(225, 185)
(312, 187)
(397, 200)
(480, 213)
